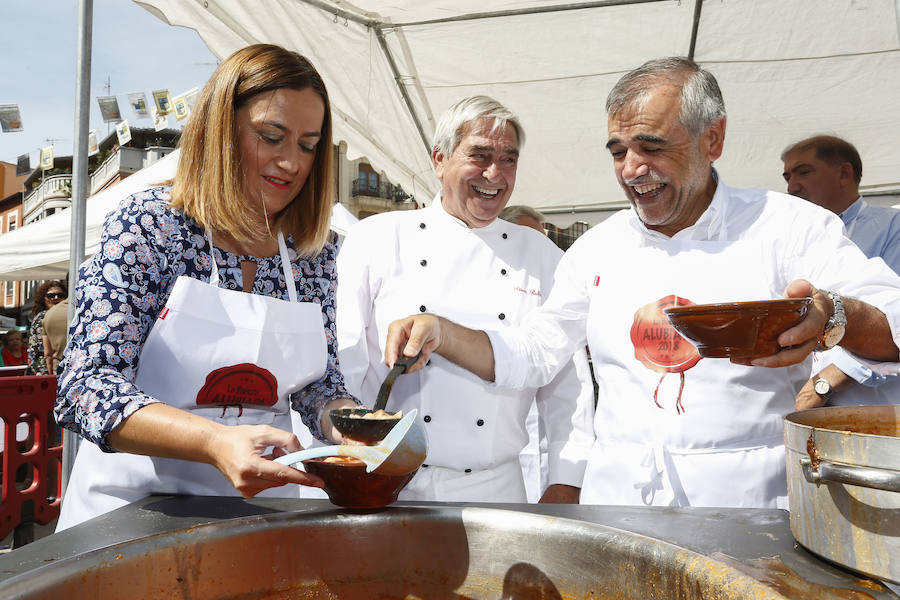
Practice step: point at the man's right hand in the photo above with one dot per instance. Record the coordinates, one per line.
(426, 334)
(416, 334)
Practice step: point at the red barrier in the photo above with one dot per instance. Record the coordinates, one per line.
(35, 462)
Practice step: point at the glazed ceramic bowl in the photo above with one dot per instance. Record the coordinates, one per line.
(737, 329)
(347, 483)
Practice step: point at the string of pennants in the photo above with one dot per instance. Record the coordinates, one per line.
(163, 105)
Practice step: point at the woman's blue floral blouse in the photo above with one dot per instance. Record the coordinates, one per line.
(144, 246)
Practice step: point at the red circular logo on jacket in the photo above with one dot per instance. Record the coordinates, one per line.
(656, 343)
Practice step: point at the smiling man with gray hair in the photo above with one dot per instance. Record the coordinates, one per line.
(456, 258)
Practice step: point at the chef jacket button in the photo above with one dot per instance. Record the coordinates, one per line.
(503, 271)
(422, 308)
(505, 236)
(421, 225)
(479, 422)
(427, 418)
(501, 316)
(468, 470)
(423, 262)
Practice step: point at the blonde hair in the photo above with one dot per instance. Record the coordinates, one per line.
(208, 181)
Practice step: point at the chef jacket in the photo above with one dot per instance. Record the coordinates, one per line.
(876, 230)
(394, 264)
(726, 448)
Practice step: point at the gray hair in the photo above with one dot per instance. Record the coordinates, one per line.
(514, 212)
(452, 126)
(701, 98)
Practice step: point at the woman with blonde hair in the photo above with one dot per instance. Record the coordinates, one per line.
(208, 312)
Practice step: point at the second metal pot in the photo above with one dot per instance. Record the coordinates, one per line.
(843, 470)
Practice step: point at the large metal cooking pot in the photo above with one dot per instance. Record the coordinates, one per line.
(429, 553)
(843, 470)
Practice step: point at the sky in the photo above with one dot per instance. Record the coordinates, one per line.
(132, 51)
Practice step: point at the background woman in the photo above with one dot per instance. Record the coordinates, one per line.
(209, 308)
(14, 352)
(48, 294)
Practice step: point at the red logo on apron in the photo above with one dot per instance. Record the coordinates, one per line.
(659, 347)
(239, 385)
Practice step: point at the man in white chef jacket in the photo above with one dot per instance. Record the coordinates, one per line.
(456, 258)
(826, 170)
(673, 429)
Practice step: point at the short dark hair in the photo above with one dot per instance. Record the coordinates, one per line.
(832, 150)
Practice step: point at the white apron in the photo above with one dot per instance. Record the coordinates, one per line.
(725, 447)
(227, 355)
(502, 483)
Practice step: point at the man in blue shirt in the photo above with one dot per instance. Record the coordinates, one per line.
(826, 170)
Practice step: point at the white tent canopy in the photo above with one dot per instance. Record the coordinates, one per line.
(788, 69)
(41, 250)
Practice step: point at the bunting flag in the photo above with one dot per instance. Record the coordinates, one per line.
(123, 132)
(191, 95)
(10, 119)
(138, 101)
(109, 109)
(160, 121)
(47, 158)
(181, 107)
(93, 145)
(163, 101)
(23, 165)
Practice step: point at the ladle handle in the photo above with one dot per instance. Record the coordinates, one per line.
(295, 457)
(400, 367)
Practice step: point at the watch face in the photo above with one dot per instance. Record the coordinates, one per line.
(822, 387)
(833, 336)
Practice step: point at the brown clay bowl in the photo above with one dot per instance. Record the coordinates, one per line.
(737, 329)
(348, 485)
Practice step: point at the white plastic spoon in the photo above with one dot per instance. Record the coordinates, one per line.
(402, 451)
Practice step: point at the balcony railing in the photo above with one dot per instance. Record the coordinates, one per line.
(388, 191)
(54, 186)
(124, 160)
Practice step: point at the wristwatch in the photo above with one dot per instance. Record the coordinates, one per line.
(823, 388)
(835, 326)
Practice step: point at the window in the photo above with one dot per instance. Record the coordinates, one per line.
(368, 180)
(12, 220)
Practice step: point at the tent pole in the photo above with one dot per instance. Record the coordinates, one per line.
(379, 33)
(698, 6)
(79, 185)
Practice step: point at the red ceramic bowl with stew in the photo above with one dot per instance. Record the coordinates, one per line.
(347, 483)
(737, 329)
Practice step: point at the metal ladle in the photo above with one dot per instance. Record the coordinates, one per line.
(402, 451)
(351, 422)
